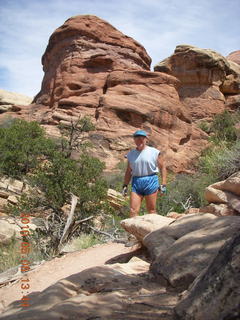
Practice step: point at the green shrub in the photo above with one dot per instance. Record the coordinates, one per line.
(220, 161)
(228, 161)
(223, 128)
(85, 241)
(183, 192)
(22, 146)
(205, 126)
(25, 151)
(9, 255)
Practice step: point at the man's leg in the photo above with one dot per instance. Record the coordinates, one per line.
(151, 200)
(135, 204)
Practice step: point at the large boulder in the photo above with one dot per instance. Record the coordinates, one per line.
(9, 229)
(183, 251)
(214, 295)
(221, 209)
(140, 226)
(160, 240)
(225, 192)
(205, 77)
(233, 101)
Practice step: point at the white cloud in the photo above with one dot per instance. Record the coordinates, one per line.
(159, 25)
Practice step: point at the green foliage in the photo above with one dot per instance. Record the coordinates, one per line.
(22, 146)
(204, 126)
(223, 128)
(85, 241)
(183, 192)
(54, 179)
(60, 178)
(9, 255)
(230, 161)
(115, 179)
(221, 161)
(27, 203)
(25, 151)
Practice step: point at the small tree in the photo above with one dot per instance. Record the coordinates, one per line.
(72, 135)
(22, 146)
(24, 149)
(62, 177)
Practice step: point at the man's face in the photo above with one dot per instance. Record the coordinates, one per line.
(140, 141)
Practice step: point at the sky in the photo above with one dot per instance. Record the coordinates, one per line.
(159, 25)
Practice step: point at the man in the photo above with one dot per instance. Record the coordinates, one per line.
(144, 163)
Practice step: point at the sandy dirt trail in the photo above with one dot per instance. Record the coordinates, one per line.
(52, 271)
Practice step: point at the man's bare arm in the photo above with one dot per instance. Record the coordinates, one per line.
(128, 175)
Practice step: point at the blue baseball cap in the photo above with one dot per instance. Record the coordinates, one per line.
(140, 133)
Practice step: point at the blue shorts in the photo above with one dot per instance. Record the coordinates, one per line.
(146, 185)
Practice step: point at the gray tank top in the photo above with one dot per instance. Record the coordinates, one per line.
(143, 163)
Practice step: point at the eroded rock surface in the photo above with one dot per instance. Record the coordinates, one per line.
(205, 77)
(119, 291)
(195, 244)
(214, 295)
(234, 56)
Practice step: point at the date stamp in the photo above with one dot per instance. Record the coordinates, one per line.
(25, 248)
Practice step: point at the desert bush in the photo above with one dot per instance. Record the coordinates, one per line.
(223, 127)
(115, 179)
(22, 146)
(228, 161)
(25, 151)
(183, 192)
(205, 126)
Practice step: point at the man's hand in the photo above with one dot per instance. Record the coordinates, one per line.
(162, 189)
(125, 190)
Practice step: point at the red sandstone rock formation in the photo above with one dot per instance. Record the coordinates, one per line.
(93, 69)
(205, 78)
